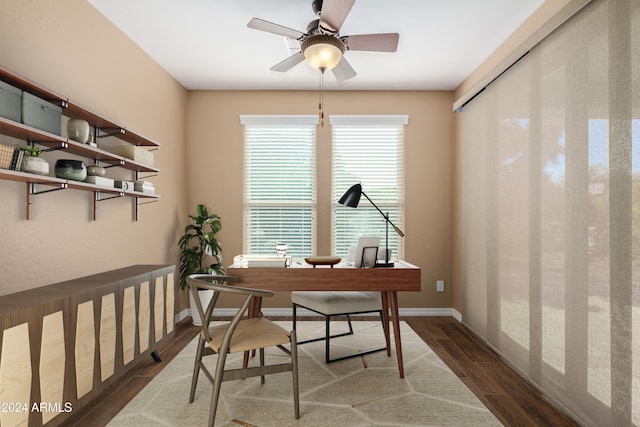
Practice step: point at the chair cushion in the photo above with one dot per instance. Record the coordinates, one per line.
(250, 334)
(334, 303)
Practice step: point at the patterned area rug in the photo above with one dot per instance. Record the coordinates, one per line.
(364, 391)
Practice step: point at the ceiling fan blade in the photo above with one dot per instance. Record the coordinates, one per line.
(383, 42)
(288, 63)
(334, 13)
(343, 71)
(270, 27)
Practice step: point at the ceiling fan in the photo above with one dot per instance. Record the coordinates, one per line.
(322, 45)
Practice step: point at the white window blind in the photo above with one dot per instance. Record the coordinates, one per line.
(368, 150)
(279, 184)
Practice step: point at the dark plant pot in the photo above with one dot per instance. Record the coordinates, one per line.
(75, 170)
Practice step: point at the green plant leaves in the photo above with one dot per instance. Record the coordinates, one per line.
(199, 243)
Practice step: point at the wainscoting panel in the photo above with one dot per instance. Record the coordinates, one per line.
(143, 318)
(52, 362)
(15, 375)
(170, 304)
(108, 336)
(158, 308)
(128, 324)
(85, 349)
(63, 344)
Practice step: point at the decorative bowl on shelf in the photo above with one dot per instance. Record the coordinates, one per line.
(323, 260)
(96, 170)
(75, 170)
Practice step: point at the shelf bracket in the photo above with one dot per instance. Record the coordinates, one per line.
(32, 191)
(119, 164)
(106, 132)
(146, 203)
(137, 204)
(63, 103)
(63, 145)
(97, 198)
(102, 199)
(147, 176)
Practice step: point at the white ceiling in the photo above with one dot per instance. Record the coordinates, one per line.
(205, 44)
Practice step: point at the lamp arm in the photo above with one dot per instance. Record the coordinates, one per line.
(386, 217)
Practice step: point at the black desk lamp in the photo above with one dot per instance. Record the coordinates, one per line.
(351, 198)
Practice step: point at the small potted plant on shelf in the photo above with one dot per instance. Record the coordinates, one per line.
(33, 163)
(199, 246)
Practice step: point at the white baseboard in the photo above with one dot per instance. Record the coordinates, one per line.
(280, 312)
(182, 315)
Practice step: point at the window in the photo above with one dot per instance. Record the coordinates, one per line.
(368, 150)
(280, 184)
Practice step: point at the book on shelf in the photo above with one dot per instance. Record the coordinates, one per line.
(16, 161)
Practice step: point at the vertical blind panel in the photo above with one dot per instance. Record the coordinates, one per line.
(280, 188)
(371, 154)
(509, 154)
(550, 168)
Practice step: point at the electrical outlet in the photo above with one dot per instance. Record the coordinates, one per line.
(440, 286)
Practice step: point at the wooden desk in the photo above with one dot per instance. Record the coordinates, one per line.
(403, 277)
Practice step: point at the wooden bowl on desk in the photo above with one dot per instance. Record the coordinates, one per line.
(323, 260)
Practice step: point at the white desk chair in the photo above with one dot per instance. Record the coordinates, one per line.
(339, 303)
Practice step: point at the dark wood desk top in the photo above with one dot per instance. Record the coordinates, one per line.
(401, 278)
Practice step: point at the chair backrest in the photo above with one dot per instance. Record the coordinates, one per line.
(218, 285)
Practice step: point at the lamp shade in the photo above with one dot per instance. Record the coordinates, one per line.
(351, 197)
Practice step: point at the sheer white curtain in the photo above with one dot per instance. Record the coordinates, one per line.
(551, 214)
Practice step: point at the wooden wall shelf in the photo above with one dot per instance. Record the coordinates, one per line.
(103, 127)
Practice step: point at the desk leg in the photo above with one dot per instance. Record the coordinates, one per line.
(393, 304)
(385, 320)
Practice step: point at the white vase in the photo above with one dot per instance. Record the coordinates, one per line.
(79, 130)
(205, 297)
(36, 165)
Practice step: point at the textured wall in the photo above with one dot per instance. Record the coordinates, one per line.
(70, 48)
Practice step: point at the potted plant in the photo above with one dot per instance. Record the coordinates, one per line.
(32, 162)
(198, 247)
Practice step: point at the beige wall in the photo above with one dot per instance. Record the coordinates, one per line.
(215, 153)
(69, 47)
(72, 49)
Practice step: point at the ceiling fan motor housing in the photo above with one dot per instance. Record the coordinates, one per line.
(316, 5)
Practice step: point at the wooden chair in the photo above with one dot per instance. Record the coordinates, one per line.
(239, 335)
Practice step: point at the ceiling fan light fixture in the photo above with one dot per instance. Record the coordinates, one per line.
(322, 51)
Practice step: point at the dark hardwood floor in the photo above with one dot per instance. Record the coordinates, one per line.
(511, 399)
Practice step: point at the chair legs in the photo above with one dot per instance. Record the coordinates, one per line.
(328, 336)
(196, 369)
(217, 385)
(219, 376)
(294, 361)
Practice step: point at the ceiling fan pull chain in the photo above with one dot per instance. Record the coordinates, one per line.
(321, 95)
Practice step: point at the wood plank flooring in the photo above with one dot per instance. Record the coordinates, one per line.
(511, 399)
